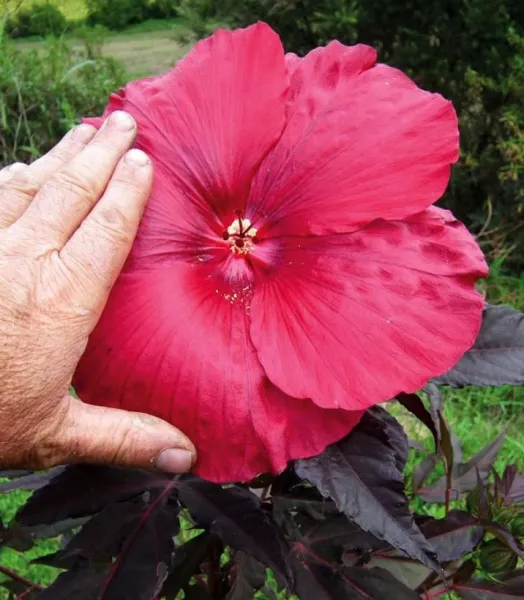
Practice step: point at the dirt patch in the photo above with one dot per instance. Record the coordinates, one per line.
(143, 54)
(146, 53)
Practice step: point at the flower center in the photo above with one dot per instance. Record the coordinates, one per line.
(240, 236)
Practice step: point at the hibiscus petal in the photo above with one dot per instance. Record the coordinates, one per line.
(207, 124)
(351, 320)
(361, 142)
(174, 343)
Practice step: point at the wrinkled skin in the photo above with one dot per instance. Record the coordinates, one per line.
(67, 223)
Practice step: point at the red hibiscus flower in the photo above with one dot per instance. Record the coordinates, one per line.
(290, 270)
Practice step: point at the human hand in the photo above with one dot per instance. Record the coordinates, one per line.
(67, 223)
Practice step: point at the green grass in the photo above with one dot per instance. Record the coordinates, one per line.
(18, 561)
(145, 49)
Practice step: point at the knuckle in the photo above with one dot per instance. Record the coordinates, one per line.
(72, 183)
(124, 185)
(120, 453)
(108, 144)
(42, 456)
(50, 442)
(21, 186)
(113, 221)
(28, 448)
(16, 167)
(62, 153)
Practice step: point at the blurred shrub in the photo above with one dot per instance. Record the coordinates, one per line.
(202, 17)
(163, 9)
(93, 38)
(40, 19)
(44, 93)
(118, 14)
(472, 51)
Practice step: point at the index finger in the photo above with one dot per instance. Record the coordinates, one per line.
(20, 183)
(68, 196)
(97, 251)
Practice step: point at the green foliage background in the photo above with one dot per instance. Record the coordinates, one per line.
(471, 51)
(43, 93)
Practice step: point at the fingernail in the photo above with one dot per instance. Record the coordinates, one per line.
(136, 158)
(83, 133)
(122, 120)
(174, 461)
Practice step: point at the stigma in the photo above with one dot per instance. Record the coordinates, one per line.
(240, 236)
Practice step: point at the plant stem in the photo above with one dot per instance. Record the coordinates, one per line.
(16, 577)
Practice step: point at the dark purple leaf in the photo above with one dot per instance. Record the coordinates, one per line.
(261, 482)
(301, 498)
(448, 446)
(82, 583)
(423, 471)
(31, 481)
(14, 473)
(464, 477)
(305, 500)
(333, 536)
(238, 518)
(396, 436)
(84, 490)
(512, 588)
(414, 404)
(188, 559)
(448, 453)
(361, 474)
(24, 538)
(516, 493)
(410, 573)
(103, 536)
(436, 405)
(483, 461)
(247, 576)
(498, 484)
(503, 485)
(138, 534)
(144, 562)
(511, 489)
(506, 538)
(455, 535)
(456, 573)
(287, 482)
(60, 560)
(484, 499)
(497, 356)
(377, 584)
(452, 537)
(316, 581)
(19, 590)
(195, 592)
(465, 572)
(455, 444)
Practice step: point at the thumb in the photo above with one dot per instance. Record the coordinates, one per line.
(94, 434)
